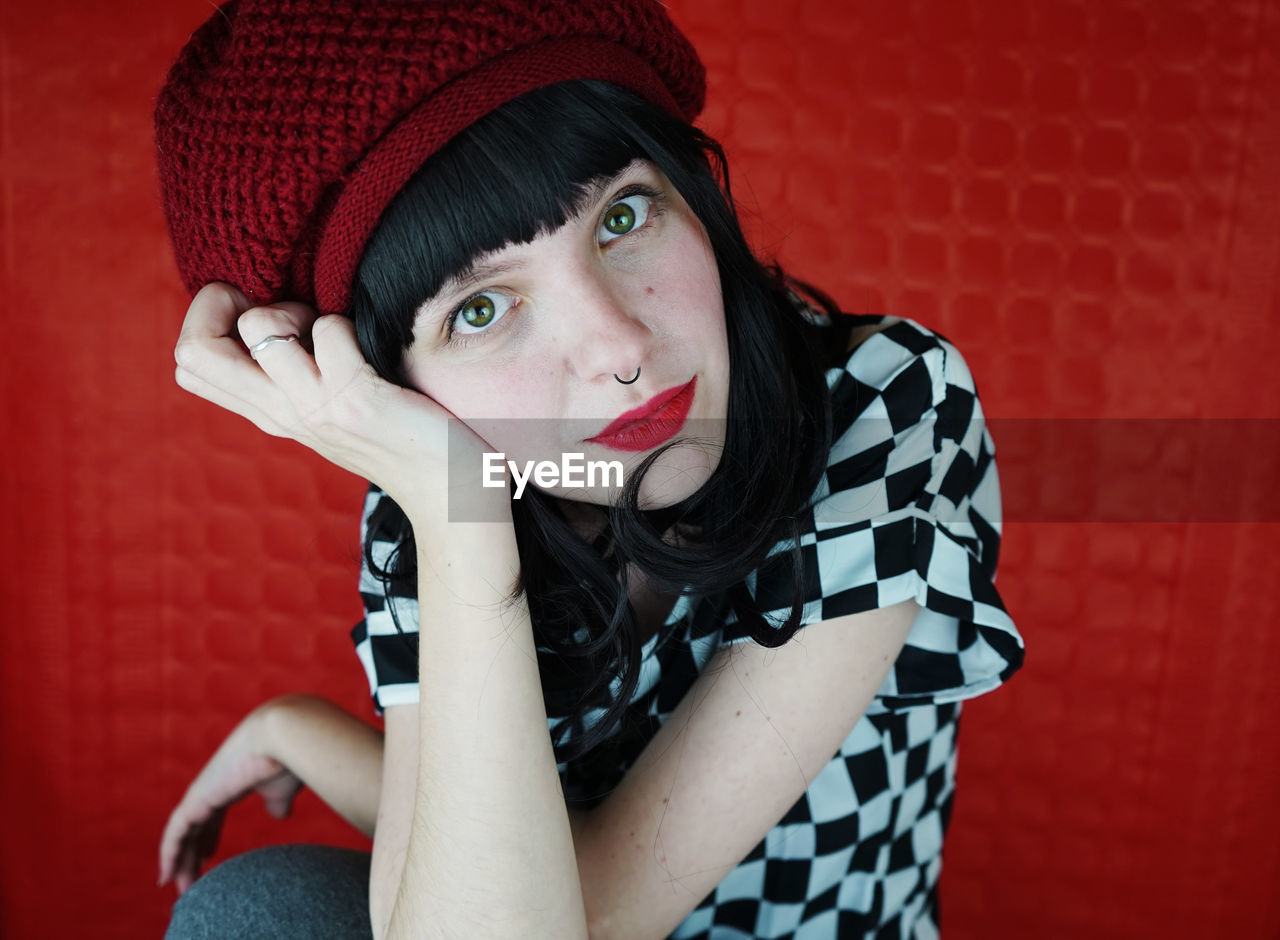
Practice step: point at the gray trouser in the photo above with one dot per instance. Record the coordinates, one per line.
(315, 892)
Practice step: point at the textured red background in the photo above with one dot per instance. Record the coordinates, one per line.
(1083, 196)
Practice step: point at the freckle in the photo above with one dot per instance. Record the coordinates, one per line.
(665, 801)
(738, 713)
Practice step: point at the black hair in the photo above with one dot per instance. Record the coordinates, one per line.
(520, 172)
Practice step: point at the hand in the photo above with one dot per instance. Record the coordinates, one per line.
(239, 767)
(330, 400)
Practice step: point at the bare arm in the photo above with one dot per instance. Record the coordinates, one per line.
(332, 751)
(342, 759)
(395, 813)
(743, 745)
(279, 746)
(490, 852)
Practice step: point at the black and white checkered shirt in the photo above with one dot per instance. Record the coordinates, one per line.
(909, 507)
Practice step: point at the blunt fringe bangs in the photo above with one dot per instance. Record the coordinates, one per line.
(519, 172)
(515, 174)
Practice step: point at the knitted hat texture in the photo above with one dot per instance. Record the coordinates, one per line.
(286, 127)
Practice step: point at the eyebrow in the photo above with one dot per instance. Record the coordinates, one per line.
(592, 191)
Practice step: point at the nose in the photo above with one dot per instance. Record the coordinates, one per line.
(601, 330)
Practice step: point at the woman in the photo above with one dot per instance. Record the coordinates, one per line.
(517, 245)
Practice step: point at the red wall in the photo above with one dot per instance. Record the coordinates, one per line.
(1082, 196)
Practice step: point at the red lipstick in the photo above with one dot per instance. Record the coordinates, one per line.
(657, 420)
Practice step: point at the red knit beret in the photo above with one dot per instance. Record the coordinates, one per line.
(286, 127)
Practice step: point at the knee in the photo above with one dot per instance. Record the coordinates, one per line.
(283, 890)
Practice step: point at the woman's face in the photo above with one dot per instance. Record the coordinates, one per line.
(530, 345)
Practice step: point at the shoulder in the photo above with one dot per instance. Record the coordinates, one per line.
(909, 451)
(908, 507)
(907, 367)
(902, 399)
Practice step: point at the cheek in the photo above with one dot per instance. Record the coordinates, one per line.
(689, 285)
(477, 393)
(506, 408)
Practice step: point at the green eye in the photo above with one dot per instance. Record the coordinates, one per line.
(479, 312)
(620, 219)
(624, 217)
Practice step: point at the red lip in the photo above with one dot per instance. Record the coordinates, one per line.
(657, 420)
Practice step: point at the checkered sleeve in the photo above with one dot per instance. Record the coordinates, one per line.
(386, 639)
(909, 507)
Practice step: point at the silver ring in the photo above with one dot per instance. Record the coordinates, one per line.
(629, 381)
(259, 347)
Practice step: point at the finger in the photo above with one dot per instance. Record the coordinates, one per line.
(337, 349)
(213, 311)
(186, 873)
(180, 831)
(197, 845)
(170, 842)
(167, 858)
(257, 326)
(206, 840)
(214, 363)
(182, 861)
(277, 807)
(279, 803)
(185, 867)
(211, 317)
(279, 319)
(209, 346)
(185, 825)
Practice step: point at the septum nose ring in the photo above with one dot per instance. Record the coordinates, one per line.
(630, 380)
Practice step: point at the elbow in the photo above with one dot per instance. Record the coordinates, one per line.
(379, 919)
(601, 926)
(383, 888)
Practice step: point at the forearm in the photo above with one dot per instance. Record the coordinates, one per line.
(334, 753)
(490, 852)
